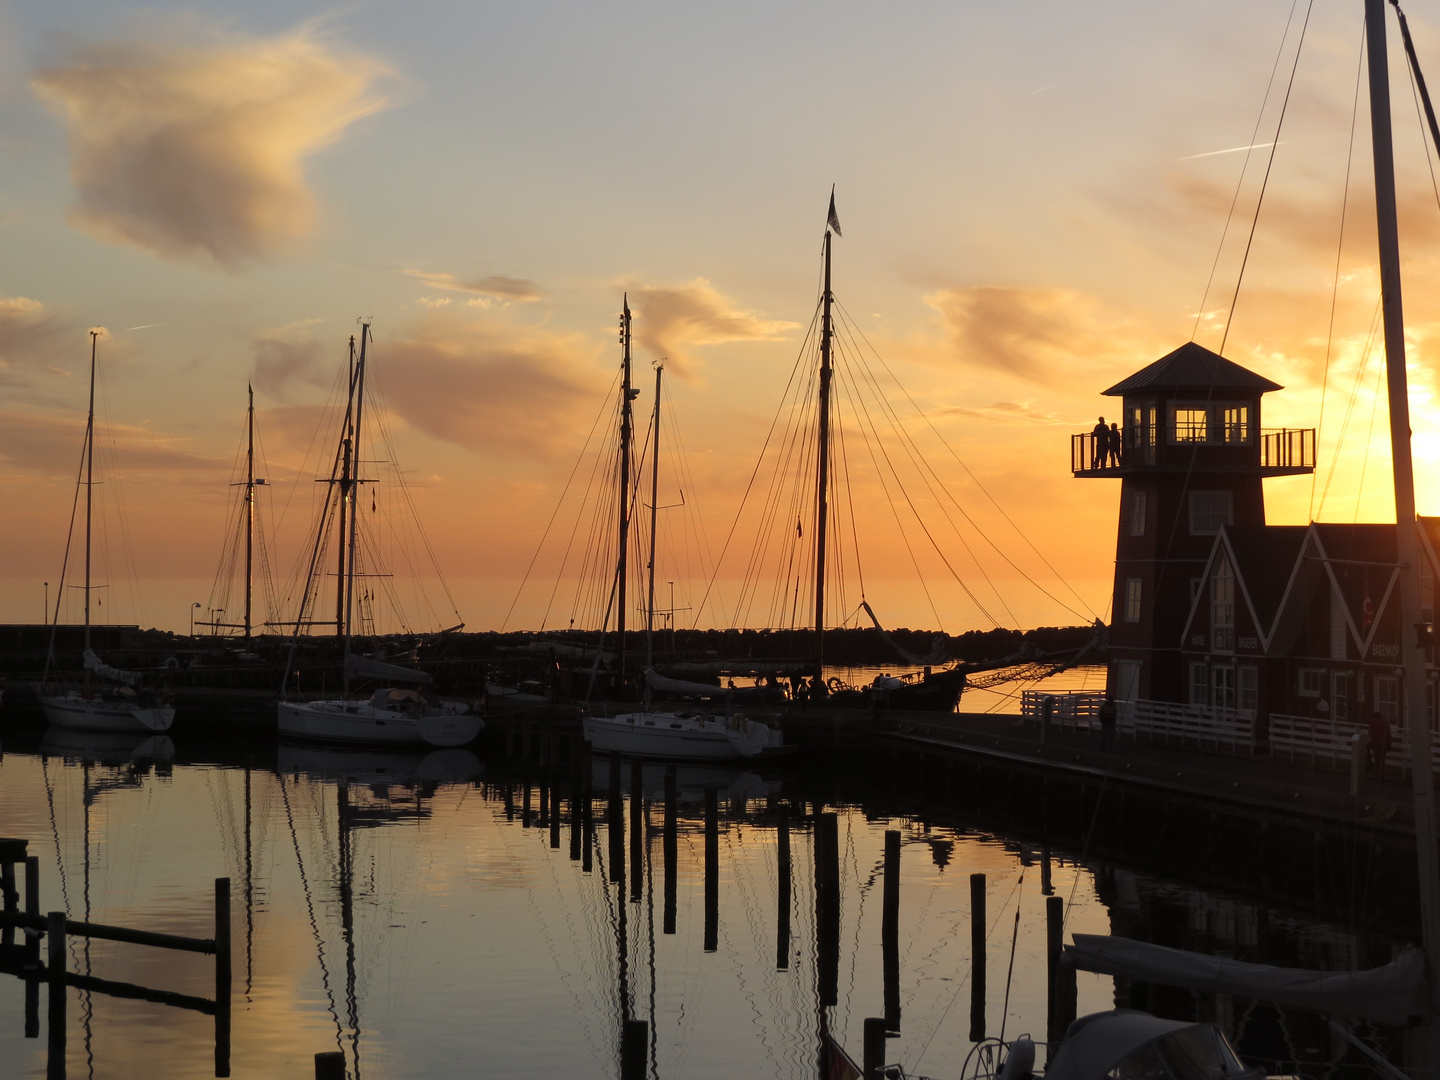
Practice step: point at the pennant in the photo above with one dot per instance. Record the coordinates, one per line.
(832, 220)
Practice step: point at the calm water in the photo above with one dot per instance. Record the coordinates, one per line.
(399, 907)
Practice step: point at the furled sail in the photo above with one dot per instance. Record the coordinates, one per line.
(362, 667)
(1391, 994)
(656, 681)
(940, 652)
(104, 670)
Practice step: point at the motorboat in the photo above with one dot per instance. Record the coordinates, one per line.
(391, 716)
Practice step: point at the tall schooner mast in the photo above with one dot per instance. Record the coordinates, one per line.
(822, 457)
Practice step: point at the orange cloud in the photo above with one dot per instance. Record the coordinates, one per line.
(494, 287)
(670, 320)
(194, 150)
(1030, 332)
(33, 442)
(28, 331)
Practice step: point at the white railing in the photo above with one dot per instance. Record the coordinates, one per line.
(1072, 710)
(1201, 725)
(1323, 741)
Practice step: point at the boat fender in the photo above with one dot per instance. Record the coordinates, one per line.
(834, 683)
(172, 663)
(1020, 1062)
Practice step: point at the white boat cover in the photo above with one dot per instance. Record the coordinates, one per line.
(1391, 994)
(1095, 1044)
(656, 681)
(99, 667)
(362, 667)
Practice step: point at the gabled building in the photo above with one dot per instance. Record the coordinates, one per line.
(1304, 621)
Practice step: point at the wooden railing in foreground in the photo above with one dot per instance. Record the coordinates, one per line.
(1071, 710)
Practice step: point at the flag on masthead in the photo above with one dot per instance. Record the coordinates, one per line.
(832, 221)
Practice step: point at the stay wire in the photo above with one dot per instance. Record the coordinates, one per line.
(1244, 168)
(1339, 249)
(1265, 181)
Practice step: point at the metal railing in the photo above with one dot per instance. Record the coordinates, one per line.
(1083, 454)
(1287, 448)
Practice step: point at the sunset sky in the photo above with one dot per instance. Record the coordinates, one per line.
(1032, 198)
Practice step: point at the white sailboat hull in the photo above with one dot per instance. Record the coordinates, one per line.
(74, 710)
(362, 722)
(681, 738)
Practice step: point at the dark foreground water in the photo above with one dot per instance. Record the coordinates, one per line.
(407, 910)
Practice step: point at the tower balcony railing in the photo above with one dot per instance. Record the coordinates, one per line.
(1282, 451)
(1287, 448)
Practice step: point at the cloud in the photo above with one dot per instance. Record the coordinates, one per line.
(490, 386)
(29, 332)
(41, 443)
(289, 358)
(487, 385)
(670, 320)
(1005, 412)
(1030, 332)
(495, 287)
(194, 149)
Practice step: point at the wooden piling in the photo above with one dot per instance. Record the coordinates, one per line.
(587, 815)
(554, 815)
(222, 976)
(782, 902)
(669, 846)
(890, 930)
(330, 1065)
(977, 957)
(1054, 938)
(1047, 885)
(827, 906)
(12, 901)
(634, 1049)
(32, 907)
(637, 828)
(615, 821)
(874, 1059)
(32, 1007)
(55, 969)
(712, 870)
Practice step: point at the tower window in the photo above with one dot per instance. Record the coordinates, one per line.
(1237, 423)
(1192, 425)
(1132, 599)
(1209, 510)
(1137, 514)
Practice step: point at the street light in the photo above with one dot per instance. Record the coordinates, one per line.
(192, 621)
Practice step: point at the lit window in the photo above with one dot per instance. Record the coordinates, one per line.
(1209, 510)
(1237, 424)
(1132, 599)
(1191, 425)
(1310, 682)
(1137, 514)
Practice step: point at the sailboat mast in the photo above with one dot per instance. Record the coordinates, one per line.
(354, 488)
(345, 447)
(1413, 633)
(89, 479)
(654, 504)
(626, 436)
(249, 507)
(822, 468)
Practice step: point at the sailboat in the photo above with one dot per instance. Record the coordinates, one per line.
(391, 715)
(123, 701)
(690, 734)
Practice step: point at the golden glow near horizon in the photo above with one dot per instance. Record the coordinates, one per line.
(1032, 202)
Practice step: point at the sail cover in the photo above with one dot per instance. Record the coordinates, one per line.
(104, 670)
(1391, 994)
(362, 667)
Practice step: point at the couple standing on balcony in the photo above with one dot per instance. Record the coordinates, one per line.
(1107, 445)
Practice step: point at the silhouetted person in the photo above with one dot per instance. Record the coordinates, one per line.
(1108, 714)
(1114, 443)
(1101, 436)
(1379, 730)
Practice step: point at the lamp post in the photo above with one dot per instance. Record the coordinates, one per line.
(192, 621)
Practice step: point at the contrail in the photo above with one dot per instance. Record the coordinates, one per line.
(146, 326)
(1232, 150)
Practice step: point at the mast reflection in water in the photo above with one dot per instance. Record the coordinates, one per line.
(430, 916)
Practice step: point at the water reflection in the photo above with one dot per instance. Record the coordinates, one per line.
(433, 916)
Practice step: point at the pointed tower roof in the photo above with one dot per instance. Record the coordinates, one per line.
(1189, 367)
